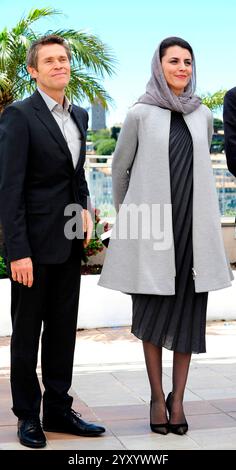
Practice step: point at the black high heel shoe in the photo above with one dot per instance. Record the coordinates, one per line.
(180, 428)
(160, 428)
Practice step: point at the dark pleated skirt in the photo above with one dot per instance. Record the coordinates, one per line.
(176, 322)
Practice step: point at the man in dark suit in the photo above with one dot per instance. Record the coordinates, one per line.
(42, 153)
(230, 129)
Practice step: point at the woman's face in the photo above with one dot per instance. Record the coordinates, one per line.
(177, 68)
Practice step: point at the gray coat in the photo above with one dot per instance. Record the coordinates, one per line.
(140, 173)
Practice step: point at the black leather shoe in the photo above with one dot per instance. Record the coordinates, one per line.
(179, 428)
(71, 423)
(30, 433)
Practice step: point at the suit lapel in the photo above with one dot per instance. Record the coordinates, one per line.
(76, 116)
(48, 120)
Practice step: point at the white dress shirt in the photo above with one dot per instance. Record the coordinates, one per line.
(67, 126)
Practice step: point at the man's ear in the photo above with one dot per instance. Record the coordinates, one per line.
(32, 71)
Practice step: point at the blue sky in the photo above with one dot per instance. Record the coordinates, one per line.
(133, 29)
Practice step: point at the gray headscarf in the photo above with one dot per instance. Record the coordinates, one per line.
(158, 92)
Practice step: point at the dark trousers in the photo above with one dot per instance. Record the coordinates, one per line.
(52, 300)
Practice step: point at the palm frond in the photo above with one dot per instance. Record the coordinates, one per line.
(214, 101)
(23, 85)
(5, 47)
(89, 51)
(83, 86)
(6, 96)
(34, 15)
(4, 81)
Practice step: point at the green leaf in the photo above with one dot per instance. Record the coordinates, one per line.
(214, 101)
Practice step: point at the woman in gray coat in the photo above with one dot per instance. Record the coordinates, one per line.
(162, 173)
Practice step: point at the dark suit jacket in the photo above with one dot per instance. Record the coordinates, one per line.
(230, 129)
(38, 180)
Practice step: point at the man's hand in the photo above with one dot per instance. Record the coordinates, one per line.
(22, 271)
(87, 226)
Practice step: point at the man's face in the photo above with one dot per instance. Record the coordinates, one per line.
(53, 68)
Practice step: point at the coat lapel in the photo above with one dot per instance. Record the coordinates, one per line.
(76, 116)
(48, 120)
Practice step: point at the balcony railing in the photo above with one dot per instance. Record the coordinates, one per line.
(98, 173)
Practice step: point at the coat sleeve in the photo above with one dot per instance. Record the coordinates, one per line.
(14, 142)
(210, 128)
(123, 158)
(229, 115)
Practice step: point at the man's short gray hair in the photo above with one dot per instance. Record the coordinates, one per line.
(32, 54)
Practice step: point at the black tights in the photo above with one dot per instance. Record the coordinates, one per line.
(181, 361)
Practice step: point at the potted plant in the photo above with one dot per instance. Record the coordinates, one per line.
(95, 246)
(3, 271)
